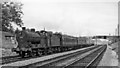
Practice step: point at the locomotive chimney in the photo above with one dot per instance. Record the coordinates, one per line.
(23, 28)
(33, 30)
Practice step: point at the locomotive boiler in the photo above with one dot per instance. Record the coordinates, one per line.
(36, 43)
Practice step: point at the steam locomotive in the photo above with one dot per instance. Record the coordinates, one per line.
(36, 43)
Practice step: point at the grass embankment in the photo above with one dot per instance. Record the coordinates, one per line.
(115, 46)
(6, 46)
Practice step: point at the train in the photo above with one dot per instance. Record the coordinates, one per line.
(37, 43)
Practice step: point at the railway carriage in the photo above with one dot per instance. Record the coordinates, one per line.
(85, 42)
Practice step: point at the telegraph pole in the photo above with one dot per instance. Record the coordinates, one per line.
(96, 39)
(118, 29)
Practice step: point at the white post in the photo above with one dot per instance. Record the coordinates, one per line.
(96, 40)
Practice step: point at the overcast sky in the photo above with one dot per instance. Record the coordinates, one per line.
(73, 17)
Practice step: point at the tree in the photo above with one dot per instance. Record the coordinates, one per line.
(11, 13)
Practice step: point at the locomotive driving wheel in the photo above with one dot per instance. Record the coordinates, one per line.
(31, 53)
(39, 52)
(22, 54)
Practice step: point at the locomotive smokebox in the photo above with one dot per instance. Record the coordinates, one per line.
(32, 30)
(23, 28)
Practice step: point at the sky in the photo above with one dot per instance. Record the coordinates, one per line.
(72, 17)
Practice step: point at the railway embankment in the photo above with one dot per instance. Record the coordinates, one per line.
(110, 58)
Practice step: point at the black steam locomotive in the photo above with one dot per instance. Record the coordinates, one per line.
(36, 43)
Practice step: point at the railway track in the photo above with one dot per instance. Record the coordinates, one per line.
(11, 59)
(89, 61)
(66, 60)
(8, 59)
